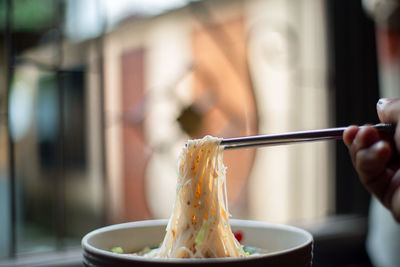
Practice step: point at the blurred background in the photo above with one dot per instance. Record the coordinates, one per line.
(97, 98)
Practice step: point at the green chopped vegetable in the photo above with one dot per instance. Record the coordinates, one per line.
(118, 250)
(249, 250)
(203, 231)
(200, 236)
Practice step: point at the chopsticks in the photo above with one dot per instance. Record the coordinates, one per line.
(294, 137)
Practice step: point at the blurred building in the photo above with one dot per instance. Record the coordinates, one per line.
(225, 68)
(121, 104)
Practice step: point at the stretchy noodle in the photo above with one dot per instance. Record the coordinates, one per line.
(199, 225)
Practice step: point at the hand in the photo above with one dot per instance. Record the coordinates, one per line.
(376, 159)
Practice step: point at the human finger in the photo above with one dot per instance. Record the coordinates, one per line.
(371, 167)
(389, 112)
(364, 138)
(349, 134)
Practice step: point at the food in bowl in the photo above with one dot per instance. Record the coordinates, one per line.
(248, 250)
(199, 224)
(286, 245)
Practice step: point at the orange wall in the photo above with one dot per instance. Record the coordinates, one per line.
(224, 94)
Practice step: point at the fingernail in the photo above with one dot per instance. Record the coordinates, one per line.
(381, 103)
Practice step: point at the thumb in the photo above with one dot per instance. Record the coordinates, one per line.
(389, 112)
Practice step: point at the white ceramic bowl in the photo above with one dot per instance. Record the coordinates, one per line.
(287, 245)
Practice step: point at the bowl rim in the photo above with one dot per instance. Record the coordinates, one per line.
(88, 248)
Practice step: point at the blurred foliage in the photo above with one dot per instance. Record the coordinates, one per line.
(29, 15)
